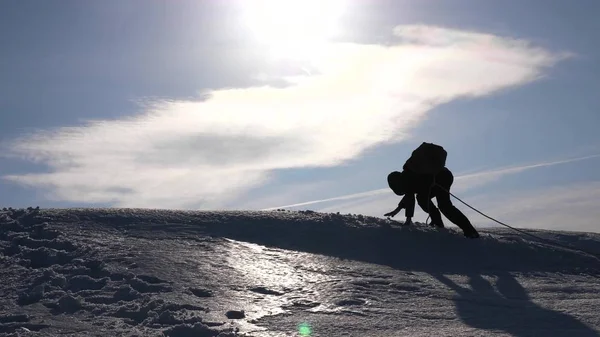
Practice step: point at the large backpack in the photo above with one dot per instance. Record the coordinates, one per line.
(428, 158)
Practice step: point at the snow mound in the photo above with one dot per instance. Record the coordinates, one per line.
(181, 273)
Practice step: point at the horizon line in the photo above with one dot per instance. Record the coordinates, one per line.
(506, 170)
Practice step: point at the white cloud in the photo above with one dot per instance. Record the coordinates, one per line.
(470, 181)
(362, 195)
(202, 153)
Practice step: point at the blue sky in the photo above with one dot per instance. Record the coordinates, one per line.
(221, 105)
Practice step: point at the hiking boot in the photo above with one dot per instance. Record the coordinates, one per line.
(472, 235)
(437, 225)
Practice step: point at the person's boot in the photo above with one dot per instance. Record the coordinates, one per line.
(437, 224)
(472, 234)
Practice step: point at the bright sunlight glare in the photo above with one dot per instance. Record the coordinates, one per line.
(293, 27)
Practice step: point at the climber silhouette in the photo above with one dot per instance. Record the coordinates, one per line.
(426, 176)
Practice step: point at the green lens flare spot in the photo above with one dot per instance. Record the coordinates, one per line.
(304, 329)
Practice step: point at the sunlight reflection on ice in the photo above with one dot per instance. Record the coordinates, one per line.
(278, 278)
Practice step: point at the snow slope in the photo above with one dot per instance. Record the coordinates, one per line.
(123, 272)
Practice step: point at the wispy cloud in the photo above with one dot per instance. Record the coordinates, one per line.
(569, 207)
(340, 198)
(199, 154)
(462, 183)
(469, 181)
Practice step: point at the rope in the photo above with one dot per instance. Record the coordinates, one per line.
(550, 242)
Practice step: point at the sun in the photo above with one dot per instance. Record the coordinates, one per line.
(292, 26)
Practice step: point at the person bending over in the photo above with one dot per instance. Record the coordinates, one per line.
(426, 187)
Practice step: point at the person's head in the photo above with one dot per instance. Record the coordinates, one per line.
(396, 183)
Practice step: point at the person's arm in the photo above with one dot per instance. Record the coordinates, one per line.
(407, 202)
(394, 212)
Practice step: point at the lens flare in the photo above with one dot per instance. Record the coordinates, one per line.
(304, 329)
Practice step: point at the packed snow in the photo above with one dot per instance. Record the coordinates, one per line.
(128, 272)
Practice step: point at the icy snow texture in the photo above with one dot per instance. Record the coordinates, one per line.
(123, 272)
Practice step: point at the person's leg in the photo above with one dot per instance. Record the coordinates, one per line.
(428, 207)
(409, 205)
(454, 214)
(442, 193)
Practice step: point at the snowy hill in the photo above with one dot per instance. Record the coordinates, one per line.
(122, 272)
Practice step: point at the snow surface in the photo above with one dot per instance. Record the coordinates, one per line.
(125, 272)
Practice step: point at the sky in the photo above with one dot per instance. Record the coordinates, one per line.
(299, 104)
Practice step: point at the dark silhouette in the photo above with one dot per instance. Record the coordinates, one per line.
(426, 183)
(509, 308)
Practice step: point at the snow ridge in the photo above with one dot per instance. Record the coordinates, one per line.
(68, 277)
(109, 272)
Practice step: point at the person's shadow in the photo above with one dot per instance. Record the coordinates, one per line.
(509, 308)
